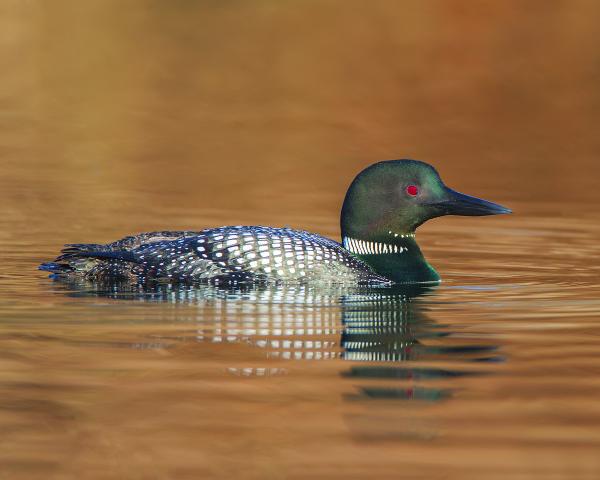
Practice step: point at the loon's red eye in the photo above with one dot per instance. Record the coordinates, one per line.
(412, 190)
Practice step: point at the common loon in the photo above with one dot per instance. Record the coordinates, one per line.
(383, 207)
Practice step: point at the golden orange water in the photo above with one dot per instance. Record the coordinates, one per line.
(123, 117)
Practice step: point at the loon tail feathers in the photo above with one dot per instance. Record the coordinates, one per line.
(92, 250)
(77, 248)
(79, 258)
(56, 268)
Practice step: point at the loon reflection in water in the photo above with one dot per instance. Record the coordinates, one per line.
(378, 327)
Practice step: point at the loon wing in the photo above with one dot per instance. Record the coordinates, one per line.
(240, 254)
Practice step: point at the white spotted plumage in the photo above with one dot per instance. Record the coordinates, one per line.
(235, 254)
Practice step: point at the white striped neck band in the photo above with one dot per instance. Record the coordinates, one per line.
(362, 247)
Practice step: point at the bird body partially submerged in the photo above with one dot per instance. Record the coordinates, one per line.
(383, 206)
(219, 255)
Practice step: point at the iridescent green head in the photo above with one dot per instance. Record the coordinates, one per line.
(399, 195)
(384, 205)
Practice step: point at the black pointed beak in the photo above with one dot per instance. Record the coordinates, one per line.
(457, 203)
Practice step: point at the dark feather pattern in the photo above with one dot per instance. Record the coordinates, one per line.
(218, 255)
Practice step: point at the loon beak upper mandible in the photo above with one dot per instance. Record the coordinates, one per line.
(457, 203)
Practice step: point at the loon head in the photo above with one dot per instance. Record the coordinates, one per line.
(399, 195)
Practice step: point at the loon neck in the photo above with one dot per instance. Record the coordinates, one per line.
(393, 255)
